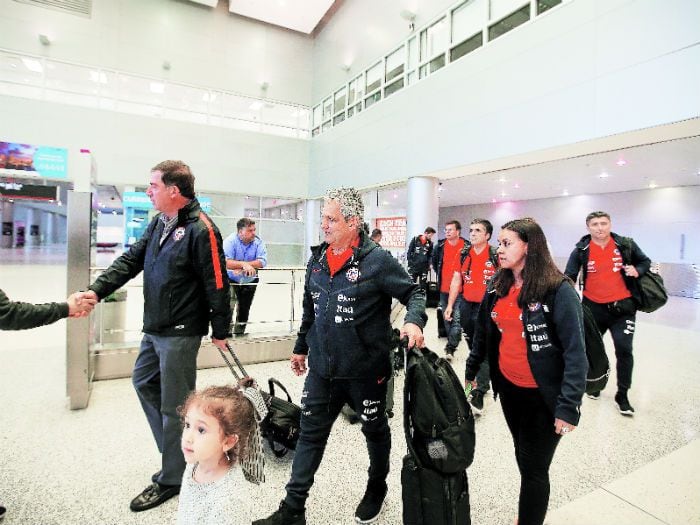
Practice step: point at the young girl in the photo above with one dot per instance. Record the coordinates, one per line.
(220, 430)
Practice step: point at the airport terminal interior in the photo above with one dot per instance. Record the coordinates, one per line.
(435, 110)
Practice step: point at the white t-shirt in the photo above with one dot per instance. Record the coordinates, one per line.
(223, 502)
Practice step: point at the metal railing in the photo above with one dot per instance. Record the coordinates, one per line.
(47, 79)
(116, 323)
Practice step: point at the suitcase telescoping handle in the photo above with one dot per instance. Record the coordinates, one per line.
(236, 360)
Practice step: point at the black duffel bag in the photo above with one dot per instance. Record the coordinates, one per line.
(281, 426)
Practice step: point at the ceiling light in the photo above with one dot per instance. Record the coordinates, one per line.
(158, 88)
(621, 162)
(209, 97)
(493, 200)
(502, 179)
(32, 65)
(516, 185)
(98, 76)
(255, 106)
(503, 194)
(565, 193)
(652, 185)
(603, 175)
(395, 195)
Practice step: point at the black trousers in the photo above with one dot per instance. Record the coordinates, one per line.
(242, 295)
(619, 318)
(532, 426)
(321, 401)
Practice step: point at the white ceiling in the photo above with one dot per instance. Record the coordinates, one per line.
(664, 164)
(298, 15)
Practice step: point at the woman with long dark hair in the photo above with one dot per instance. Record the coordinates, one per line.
(530, 327)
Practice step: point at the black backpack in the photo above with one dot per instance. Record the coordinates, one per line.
(437, 418)
(598, 363)
(650, 293)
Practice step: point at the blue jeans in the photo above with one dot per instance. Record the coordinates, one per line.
(165, 373)
(468, 314)
(321, 401)
(452, 328)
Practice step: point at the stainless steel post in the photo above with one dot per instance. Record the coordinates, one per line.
(79, 367)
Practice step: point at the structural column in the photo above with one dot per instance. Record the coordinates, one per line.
(423, 205)
(312, 223)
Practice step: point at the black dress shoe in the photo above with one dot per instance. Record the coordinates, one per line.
(154, 477)
(153, 495)
(2, 512)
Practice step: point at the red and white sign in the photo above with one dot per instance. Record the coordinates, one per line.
(393, 232)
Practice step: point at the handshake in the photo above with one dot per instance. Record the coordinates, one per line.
(80, 304)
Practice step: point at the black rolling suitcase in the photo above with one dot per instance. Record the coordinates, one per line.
(432, 295)
(435, 488)
(282, 424)
(433, 498)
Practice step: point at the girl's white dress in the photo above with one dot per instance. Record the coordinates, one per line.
(223, 502)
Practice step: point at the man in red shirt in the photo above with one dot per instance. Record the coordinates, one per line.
(446, 263)
(611, 264)
(478, 262)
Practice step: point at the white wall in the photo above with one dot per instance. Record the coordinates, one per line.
(205, 47)
(127, 146)
(657, 219)
(360, 32)
(585, 70)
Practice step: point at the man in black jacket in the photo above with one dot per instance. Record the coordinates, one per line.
(346, 332)
(611, 265)
(15, 315)
(185, 288)
(418, 255)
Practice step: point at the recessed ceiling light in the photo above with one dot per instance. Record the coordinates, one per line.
(652, 185)
(158, 88)
(503, 194)
(603, 175)
(621, 162)
(33, 65)
(565, 193)
(493, 200)
(516, 185)
(502, 179)
(255, 106)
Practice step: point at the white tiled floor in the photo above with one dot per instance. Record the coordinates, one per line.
(65, 467)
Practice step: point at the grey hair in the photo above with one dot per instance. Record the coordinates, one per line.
(350, 202)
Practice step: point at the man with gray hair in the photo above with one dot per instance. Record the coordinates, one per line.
(346, 333)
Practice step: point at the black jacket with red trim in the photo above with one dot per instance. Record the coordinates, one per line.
(185, 285)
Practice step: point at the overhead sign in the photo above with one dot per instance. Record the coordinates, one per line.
(17, 190)
(27, 160)
(393, 232)
(139, 199)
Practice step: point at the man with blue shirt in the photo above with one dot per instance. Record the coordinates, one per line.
(245, 253)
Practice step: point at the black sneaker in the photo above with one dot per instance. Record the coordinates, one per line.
(285, 515)
(476, 400)
(623, 404)
(594, 395)
(3, 510)
(371, 505)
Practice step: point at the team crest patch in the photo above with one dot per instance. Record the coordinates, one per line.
(533, 307)
(616, 251)
(488, 264)
(353, 274)
(179, 233)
